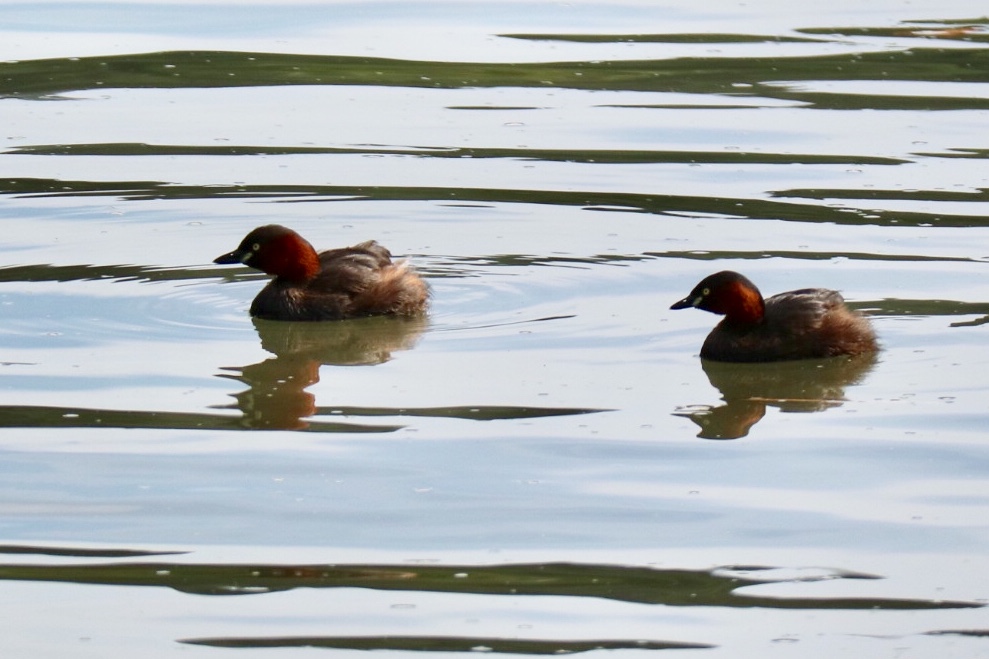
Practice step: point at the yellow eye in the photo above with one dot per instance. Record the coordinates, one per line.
(255, 247)
(706, 292)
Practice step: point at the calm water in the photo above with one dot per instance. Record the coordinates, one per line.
(544, 465)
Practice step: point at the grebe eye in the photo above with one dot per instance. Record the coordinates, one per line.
(255, 247)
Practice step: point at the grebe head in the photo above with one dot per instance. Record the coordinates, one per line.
(278, 251)
(729, 294)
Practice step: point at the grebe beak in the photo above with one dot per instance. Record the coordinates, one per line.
(687, 303)
(235, 256)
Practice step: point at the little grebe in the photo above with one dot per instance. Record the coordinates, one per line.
(340, 283)
(805, 324)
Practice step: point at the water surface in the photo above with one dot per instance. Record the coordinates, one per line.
(544, 464)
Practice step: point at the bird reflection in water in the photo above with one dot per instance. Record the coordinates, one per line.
(808, 385)
(276, 398)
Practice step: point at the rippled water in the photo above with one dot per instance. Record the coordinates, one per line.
(543, 465)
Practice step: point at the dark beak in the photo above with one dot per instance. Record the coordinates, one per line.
(685, 303)
(235, 256)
